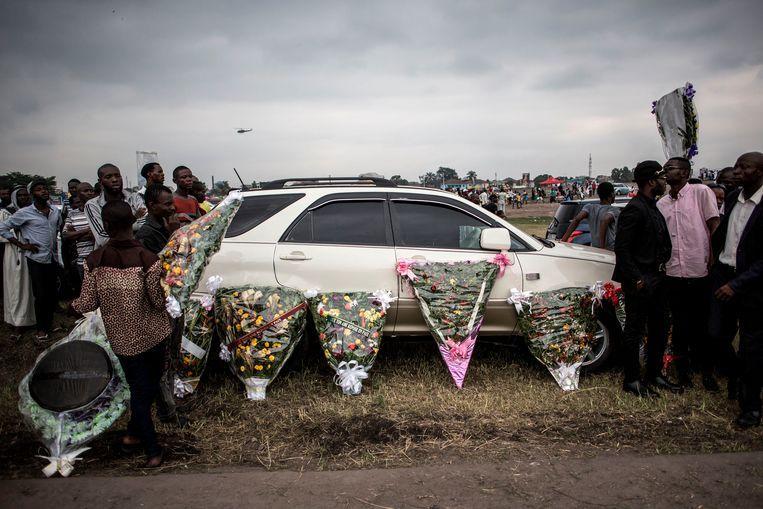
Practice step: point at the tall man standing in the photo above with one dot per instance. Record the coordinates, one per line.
(642, 247)
(39, 224)
(154, 174)
(737, 280)
(691, 214)
(110, 179)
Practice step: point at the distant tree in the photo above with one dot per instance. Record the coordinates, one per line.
(622, 174)
(471, 175)
(540, 178)
(397, 179)
(254, 184)
(16, 178)
(222, 188)
(430, 179)
(446, 173)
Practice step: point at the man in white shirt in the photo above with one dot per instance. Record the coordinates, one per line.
(737, 281)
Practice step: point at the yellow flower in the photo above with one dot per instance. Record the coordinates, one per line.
(267, 345)
(271, 358)
(258, 367)
(276, 345)
(242, 368)
(259, 320)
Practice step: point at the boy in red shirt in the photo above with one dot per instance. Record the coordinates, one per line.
(186, 205)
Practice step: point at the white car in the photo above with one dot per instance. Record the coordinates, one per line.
(348, 234)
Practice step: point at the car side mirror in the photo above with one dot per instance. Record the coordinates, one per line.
(497, 239)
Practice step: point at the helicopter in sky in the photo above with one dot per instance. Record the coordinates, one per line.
(242, 130)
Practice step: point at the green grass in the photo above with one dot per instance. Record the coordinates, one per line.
(534, 225)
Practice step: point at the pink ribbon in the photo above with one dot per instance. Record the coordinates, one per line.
(459, 351)
(404, 269)
(502, 260)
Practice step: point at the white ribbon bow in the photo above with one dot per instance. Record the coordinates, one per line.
(349, 376)
(213, 283)
(597, 290)
(225, 353)
(173, 307)
(181, 388)
(384, 297)
(520, 299)
(311, 293)
(63, 464)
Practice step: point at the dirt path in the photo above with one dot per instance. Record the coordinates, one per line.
(717, 480)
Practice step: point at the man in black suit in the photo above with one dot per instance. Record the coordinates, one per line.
(737, 279)
(642, 247)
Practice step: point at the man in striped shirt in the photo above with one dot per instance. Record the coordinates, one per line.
(77, 227)
(110, 179)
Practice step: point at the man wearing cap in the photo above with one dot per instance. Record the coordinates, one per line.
(691, 213)
(642, 247)
(737, 282)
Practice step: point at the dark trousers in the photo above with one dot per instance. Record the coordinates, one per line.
(43, 276)
(645, 309)
(689, 300)
(748, 365)
(143, 372)
(723, 323)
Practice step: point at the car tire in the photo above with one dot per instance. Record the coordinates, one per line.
(608, 338)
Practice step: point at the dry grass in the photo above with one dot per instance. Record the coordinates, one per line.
(410, 413)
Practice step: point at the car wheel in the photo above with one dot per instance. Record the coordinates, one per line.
(602, 346)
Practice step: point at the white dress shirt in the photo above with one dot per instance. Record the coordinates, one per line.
(740, 214)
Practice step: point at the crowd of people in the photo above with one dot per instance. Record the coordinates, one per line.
(104, 243)
(688, 256)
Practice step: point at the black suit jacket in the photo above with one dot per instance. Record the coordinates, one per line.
(748, 282)
(642, 243)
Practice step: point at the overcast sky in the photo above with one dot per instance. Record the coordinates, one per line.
(392, 87)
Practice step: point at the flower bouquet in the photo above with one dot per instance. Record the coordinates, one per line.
(75, 391)
(198, 328)
(559, 326)
(259, 328)
(677, 122)
(452, 298)
(189, 249)
(349, 329)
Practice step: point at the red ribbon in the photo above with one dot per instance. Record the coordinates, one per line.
(256, 333)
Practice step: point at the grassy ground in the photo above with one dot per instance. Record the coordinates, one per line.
(409, 413)
(534, 225)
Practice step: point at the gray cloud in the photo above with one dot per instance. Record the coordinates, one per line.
(344, 86)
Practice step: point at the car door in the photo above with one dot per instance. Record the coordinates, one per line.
(440, 229)
(342, 242)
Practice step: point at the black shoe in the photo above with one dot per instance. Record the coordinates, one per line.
(748, 419)
(641, 390)
(710, 383)
(664, 384)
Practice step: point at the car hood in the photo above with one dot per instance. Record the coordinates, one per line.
(579, 252)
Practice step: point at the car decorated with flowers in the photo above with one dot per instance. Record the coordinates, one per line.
(348, 235)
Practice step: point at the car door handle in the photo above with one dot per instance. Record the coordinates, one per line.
(295, 256)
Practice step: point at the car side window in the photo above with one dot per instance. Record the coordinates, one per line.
(435, 225)
(256, 209)
(361, 222)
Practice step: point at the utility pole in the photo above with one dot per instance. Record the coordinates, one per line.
(590, 165)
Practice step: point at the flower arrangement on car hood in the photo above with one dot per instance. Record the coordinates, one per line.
(259, 328)
(75, 391)
(189, 251)
(677, 122)
(349, 326)
(559, 326)
(452, 298)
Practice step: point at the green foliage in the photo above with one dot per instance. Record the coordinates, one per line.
(622, 174)
(446, 173)
(16, 178)
(397, 179)
(430, 179)
(222, 188)
(471, 175)
(540, 178)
